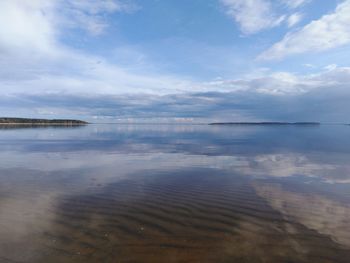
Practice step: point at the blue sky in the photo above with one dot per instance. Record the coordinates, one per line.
(183, 60)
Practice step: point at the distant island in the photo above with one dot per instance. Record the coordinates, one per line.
(265, 123)
(28, 121)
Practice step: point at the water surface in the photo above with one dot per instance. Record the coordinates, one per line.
(175, 193)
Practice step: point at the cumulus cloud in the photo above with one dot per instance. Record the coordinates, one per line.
(330, 31)
(277, 97)
(284, 83)
(41, 76)
(253, 15)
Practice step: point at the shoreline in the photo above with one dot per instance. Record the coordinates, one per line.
(40, 122)
(43, 123)
(267, 123)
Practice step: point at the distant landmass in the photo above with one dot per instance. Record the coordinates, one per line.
(27, 121)
(265, 123)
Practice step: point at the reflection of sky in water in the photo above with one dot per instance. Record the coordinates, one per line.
(303, 173)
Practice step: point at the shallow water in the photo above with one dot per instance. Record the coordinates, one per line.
(175, 193)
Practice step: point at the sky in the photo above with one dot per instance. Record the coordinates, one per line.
(176, 60)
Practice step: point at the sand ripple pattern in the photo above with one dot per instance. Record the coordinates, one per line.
(201, 215)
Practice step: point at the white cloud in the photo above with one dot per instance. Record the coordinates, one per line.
(294, 3)
(330, 31)
(26, 25)
(120, 95)
(43, 65)
(253, 15)
(331, 67)
(294, 19)
(309, 65)
(284, 83)
(34, 61)
(95, 7)
(90, 14)
(36, 25)
(75, 73)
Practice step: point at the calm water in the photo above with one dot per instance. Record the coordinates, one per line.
(119, 193)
